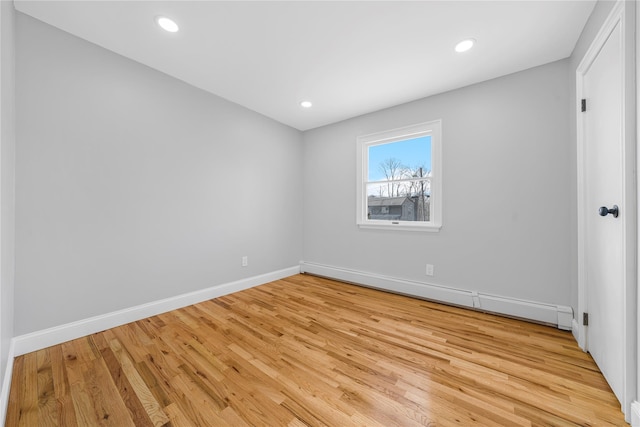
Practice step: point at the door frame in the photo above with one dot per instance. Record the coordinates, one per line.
(623, 14)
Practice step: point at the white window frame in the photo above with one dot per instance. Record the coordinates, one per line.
(433, 129)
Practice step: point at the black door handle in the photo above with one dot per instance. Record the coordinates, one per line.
(603, 211)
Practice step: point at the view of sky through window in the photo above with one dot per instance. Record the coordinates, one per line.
(411, 153)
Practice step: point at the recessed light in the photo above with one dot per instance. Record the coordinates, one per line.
(167, 24)
(465, 45)
(306, 104)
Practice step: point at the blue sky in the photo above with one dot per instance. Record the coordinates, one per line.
(411, 152)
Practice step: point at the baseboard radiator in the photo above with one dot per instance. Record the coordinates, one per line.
(556, 315)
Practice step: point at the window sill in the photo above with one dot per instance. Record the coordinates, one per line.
(401, 225)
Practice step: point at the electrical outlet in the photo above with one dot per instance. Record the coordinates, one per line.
(429, 270)
(245, 261)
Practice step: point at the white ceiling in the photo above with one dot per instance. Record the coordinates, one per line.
(348, 58)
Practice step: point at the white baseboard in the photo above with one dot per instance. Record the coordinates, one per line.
(559, 315)
(6, 383)
(59, 334)
(635, 414)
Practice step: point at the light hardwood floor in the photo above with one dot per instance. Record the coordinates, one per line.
(307, 351)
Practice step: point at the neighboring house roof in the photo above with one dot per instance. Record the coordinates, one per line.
(386, 201)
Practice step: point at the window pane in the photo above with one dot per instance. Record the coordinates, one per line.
(409, 201)
(400, 159)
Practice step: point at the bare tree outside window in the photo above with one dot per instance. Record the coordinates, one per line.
(401, 194)
(393, 170)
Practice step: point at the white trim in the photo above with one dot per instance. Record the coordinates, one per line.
(400, 225)
(635, 405)
(612, 20)
(617, 16)
(558, 315)
(6, 383)
(59, 334)
(635, 414)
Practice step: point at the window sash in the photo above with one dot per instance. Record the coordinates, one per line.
(383, 181)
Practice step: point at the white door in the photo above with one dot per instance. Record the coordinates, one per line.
(604, 235)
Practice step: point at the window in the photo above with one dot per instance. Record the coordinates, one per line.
(400, 178)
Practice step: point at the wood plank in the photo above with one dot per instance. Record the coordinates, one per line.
(308, 351)
(66, 412)
(16, 400)
(142, 392)
(108, 407)
(126, 390)
(47, 404)
(29, 396)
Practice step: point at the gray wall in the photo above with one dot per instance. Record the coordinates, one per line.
(133, 186)
(507, 226)
(7, 190)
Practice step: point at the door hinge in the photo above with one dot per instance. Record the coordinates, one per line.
(585, 319)
(583, 105)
